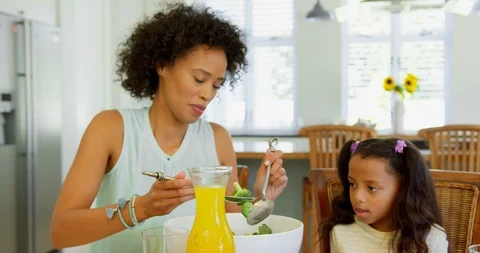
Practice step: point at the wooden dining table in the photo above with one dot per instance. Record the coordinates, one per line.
(292, 148)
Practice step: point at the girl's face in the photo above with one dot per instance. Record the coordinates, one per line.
(372, 192)
(188, 86)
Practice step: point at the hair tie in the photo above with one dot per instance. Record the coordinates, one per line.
(400, 145)
(354, 146)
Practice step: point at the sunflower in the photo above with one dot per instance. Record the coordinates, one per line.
(388, 83)
(411, 83)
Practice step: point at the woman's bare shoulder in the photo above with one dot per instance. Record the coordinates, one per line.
(108, 122)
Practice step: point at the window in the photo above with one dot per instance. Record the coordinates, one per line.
(263, 102)
(380, 43)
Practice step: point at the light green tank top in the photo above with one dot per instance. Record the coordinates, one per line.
(140, 151)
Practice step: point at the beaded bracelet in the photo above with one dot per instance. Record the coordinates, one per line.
(120, 215)
(111, 211)
(131, 208)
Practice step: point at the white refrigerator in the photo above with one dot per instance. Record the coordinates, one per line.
(30, 113)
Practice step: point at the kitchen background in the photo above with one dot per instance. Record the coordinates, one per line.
(78, 39)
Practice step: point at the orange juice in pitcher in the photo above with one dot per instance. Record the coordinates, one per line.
(210, 232)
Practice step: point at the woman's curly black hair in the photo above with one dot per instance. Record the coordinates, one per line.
(415, 210)
(171, 33)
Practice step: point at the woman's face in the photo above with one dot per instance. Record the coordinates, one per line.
(188, 86)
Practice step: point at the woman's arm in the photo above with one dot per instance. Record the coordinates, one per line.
(226, 156)
(74, 222)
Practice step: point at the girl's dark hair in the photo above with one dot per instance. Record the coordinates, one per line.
(415, 210)
(170, 34)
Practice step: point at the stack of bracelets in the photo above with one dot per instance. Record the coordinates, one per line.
(131, 209)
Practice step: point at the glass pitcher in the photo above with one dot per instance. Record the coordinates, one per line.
(210, 231)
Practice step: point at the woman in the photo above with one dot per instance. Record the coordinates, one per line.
(179, 59)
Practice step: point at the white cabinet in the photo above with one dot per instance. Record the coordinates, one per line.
(40, 10)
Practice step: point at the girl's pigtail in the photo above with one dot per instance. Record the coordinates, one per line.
(417, 167)
(417, 202)
(342, 211)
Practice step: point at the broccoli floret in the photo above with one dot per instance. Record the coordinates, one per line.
(247, 208)
(264, 230)
(239, 191)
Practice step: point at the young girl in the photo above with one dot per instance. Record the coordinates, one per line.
(388, 202)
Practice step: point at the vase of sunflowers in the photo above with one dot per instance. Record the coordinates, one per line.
(403, 91)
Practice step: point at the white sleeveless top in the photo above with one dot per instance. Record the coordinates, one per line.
(140, 151)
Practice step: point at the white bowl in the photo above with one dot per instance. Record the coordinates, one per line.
(286, 238)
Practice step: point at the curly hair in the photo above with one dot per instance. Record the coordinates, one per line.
(167, 35)
(415, 210)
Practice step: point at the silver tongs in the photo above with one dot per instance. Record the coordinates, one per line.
(157, 175)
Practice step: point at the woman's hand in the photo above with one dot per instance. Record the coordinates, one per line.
(278, 176)
(164, 197)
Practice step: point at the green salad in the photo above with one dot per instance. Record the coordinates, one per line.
(238, 191)
(264, 229)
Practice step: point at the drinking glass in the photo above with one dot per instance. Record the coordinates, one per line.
(474, 248)
(165, 240)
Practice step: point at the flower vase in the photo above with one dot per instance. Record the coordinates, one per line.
(399, 116)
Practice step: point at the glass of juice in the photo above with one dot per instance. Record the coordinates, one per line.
(165, 240)
(210, 231)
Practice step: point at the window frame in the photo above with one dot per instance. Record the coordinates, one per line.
(249, 77)
(396, 40)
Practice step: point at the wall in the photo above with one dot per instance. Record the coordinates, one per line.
(44, 11)
(319, 66)
(84, 72)
(84, 69)
(124, 15)
(465, 81)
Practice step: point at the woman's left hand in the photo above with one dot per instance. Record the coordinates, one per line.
(278, 176)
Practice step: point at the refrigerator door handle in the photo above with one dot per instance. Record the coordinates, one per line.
(21, 91)
(22, 112)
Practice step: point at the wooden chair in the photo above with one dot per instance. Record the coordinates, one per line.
(457, 196)
(243, 171)
(325, 141)
(454, 147)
